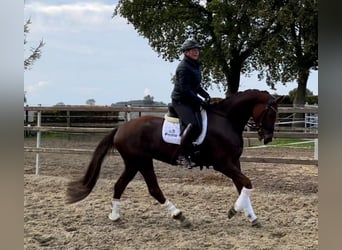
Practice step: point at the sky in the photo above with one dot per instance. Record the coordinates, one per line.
(90, 55)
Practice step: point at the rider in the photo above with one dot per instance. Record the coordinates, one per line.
(185, 99)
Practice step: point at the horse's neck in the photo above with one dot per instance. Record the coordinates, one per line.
(240, 105)
(239, 108)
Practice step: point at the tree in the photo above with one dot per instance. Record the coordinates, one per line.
(35, 52)
(148, 99)
(228, 31)
(90, 102)
(292, 52)
(60, 104)
(294, 49)
(293, 94)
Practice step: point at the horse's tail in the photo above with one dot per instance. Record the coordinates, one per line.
(80, 189)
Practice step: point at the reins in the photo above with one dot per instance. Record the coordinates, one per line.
(250, 124)
(268, 107)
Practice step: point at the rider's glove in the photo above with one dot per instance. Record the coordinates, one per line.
(207, 100)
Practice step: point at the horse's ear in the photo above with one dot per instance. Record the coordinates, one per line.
(279, 99)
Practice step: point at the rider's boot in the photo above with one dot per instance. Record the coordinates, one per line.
(186, 148)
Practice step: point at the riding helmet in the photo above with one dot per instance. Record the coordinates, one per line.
(190, 44)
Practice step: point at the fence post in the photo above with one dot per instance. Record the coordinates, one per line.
(128, 113)
(26, 133)
(39, 122)
(68, 119)
(316, 149)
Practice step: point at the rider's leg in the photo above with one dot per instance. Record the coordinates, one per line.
(192, 124)
(186, 146)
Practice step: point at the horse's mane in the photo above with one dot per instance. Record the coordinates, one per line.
(231, 101)
(239, 94)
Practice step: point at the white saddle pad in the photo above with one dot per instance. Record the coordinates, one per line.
(171, 129)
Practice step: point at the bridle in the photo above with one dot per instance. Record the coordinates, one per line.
(260, 125)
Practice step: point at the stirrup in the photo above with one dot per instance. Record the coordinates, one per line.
(190, 164)
(185, 161)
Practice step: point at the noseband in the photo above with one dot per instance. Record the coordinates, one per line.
(261, 125)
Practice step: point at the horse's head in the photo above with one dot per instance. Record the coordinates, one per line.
(265, 115)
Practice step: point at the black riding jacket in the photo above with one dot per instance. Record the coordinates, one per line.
(188, 83)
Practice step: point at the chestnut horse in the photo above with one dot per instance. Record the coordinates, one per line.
(139, 141)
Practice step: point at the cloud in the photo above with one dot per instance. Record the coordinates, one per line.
(76, 10)
(33, 88)
(147, 92)
(72, 17)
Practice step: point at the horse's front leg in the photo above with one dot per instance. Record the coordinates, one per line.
(244, 187)
(243, 204)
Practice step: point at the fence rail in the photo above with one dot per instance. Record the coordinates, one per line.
(162, 110)
(242, 158)
(246, 134)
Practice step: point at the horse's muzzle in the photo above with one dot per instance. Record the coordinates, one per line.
(265, 135)
(268, 139)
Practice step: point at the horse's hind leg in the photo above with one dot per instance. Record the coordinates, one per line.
(127, 175)
(150, 177)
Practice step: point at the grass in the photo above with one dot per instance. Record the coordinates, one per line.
(278, 142)
(289, 142)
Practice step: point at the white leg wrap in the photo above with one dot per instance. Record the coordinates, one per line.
(171, 208)
(115, 214)
(243, 203)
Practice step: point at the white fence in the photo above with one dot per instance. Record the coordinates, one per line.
(162, 110)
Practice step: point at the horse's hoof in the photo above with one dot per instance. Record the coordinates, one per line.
(231, 213)
(256, 223)
(186, 224)
(179, 216)
(183, 221)
(110, 216)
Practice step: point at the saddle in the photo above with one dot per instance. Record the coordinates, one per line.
(171, 131)
(171, 114)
